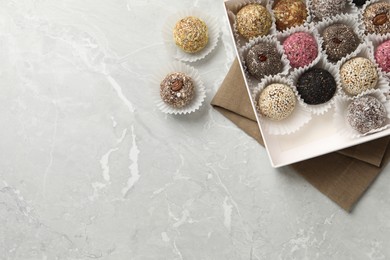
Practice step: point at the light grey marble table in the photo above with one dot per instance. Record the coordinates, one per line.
(91, 169)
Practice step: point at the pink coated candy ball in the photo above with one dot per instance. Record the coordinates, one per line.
(382, 56)
(301, 49)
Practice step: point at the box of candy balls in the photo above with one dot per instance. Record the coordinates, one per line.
(317, 72)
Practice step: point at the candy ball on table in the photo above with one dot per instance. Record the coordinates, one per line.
(358, 75)
(253, 20)
(339, 40)
(263, 59)
(327, 8)
(382, 56)
(301, 49)
(276, 101)
(376, 18)
(191, 34)
(177, 89)
(366, 113)
(289, 13)
(316, 86)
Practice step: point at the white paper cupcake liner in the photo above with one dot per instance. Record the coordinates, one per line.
(200, 92)
(236, 6)
(282, 36)
(298, 118)
(243, 51)
(319, 109)
(175, 51)
(340, 120)
(373, 42)
(348, 20)
(349, 8)
(308, 18)
(364, 51)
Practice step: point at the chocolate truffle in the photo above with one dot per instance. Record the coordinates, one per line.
(191, 34)
(339, 40)
(357, 75)
(263, 59)
(366, 113)
(376, 18)
(289, 13)
(327, 8)
(301, 49)
(382, 56)
(276, 101)
(359, 2)
(177, 89)
(316, 86)
(253, 20)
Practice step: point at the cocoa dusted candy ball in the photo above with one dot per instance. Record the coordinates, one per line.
(366, 113)
(177, 89)
(327, 8)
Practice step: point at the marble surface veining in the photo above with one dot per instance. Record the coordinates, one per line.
(91, 169)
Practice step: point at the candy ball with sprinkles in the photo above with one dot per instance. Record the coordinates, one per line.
(382, 56)
(358, 75)
(339, 41)
(276, 101)
(191, 34)
(253, 20)
(177, 89)
(327, 8)
(263, 59)
(301, 49)
(366, 113)
(376, 18)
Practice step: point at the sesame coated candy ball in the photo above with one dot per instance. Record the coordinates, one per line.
(358, 75)
(276, 101)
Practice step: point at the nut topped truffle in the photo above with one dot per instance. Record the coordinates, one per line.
(253, 20)
(191, 34)
(276, 101)
(339, 41)
(376, 18)
(327, 8)
(289, 13)
(177, 89)
(316, 86)
(263, 59)
(366, 113)
(301, 49)
(358, 75)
